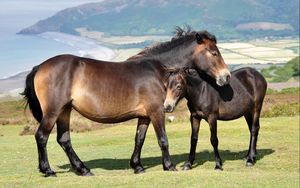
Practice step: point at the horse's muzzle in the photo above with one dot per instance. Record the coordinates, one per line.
(223, 78)
(168, 108)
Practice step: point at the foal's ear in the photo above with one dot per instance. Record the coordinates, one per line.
(191, 71)
(199, 38)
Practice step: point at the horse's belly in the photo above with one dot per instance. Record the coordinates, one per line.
(105, 114)
(108, 109)
(230, 111)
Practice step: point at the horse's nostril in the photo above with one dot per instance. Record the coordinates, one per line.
(169, 108)
(227, 78)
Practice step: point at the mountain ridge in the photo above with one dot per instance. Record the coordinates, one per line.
(146, 17)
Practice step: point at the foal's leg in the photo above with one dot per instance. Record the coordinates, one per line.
(253, 124)
(214, 141)
(41, 136)
(64, 140)
(249, 119)
(135, 162)
(195, 123)
(158, 121)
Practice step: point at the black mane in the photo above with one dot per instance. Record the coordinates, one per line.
(182, 36)
(180, 32)
(166, 46)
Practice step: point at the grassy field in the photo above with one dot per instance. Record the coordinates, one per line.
(107, 153)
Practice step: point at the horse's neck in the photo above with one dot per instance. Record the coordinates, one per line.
(177, 58)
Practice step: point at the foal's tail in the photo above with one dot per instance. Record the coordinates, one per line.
(30, 96)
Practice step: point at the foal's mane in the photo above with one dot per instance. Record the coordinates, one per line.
(182, 38)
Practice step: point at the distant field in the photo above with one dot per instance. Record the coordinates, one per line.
(250, 52)
(107, 153)
(261, 51)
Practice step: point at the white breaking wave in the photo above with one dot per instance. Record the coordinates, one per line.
(84, 47)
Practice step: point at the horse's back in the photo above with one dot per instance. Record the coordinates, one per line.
(252, 80)
(246, 91)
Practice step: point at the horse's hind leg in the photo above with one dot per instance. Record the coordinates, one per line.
(41, 136)
(64, 140)
(212, 121)
(135, 162)
(253, 125)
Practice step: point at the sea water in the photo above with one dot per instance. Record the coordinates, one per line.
(19, 53)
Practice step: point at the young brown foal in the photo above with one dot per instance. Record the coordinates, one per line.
(243, 96)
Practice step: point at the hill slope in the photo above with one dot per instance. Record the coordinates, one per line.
(290, 71)
(227, 18)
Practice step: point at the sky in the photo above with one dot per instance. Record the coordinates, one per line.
(18, 14)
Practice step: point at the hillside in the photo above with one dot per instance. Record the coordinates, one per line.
(226, 18)
(290, 71)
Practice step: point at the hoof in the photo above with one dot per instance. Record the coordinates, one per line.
(50, 174)
(187, 166)
(83, 172)
(139, 170)
(218, 168)
(87, 174)
(171, 168)
(249, 164)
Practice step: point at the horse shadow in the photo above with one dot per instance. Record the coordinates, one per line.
(148, 162)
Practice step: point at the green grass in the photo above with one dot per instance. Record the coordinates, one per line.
(107, 152)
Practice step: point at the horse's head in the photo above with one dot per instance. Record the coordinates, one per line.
(190, 49)
(208, 58)
(176, 87)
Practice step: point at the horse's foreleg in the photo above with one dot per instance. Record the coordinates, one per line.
(63, 138)
(135, 162)
(158, 121)
(41, 136)
(195, 124)
(212, 121)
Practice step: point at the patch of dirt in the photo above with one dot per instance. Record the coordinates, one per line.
(279, 99)
(282, 85)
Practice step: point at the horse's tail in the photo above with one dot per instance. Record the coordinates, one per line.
(30, 96)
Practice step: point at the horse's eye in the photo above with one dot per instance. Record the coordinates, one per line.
(214, 53)
(178, 87)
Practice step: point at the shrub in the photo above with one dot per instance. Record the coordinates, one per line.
(282, 110)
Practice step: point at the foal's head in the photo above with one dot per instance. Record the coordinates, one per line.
(176, 87)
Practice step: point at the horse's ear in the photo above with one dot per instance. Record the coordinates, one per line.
(199, 38)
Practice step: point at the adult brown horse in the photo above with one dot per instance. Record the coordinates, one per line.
(110, 92)
(243, 96)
